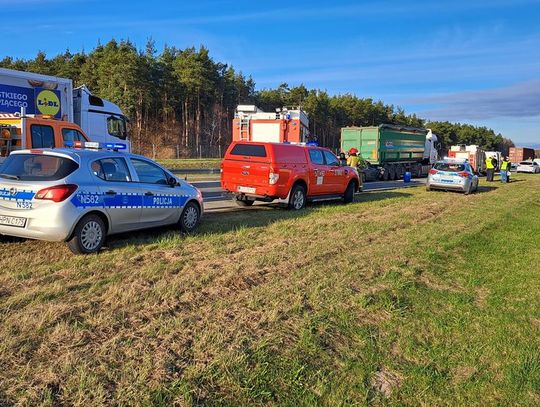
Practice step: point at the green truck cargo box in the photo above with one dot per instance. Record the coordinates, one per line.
(386, 143)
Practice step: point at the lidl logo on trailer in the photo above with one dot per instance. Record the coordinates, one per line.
(47, 102)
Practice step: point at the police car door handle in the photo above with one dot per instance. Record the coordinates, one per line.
(149, 193)
(110, 192)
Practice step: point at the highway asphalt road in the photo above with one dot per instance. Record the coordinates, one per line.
(215, 199)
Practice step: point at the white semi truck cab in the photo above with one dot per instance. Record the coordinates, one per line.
(32, 95)
(430, 150)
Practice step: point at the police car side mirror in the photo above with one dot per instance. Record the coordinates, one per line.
(172, 182)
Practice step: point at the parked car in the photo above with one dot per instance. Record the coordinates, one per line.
(369, 172)
(528, 166)
(454, 175)
(259, 171)
(82, 195)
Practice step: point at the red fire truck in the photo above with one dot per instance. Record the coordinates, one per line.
(473, 153)
(284, 125)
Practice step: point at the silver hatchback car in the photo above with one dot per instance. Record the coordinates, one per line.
(83, 195)
(452, 174)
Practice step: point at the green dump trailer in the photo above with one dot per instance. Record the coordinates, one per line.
(395, 149)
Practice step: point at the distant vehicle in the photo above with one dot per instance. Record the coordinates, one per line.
(393, 149)
(27, 97)
(289, 125)
(452, 175)
(290, 172)
(369, 172)
(518, 154)
(528, 166)
(22, 132)
(474, 154)
(82, 195)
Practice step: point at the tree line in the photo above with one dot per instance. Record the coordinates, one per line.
(181, 102)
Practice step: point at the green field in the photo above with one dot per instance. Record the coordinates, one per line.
(190, 163)
(405, 297)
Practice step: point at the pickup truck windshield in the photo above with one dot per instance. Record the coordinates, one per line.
(36, 167)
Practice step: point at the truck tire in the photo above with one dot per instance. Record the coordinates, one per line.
(243, 201)
(297, 198)
(348, 196)
(386, 174)
(88, 236)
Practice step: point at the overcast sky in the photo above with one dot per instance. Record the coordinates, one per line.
(468, 61)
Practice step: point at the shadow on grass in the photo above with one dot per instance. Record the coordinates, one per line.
(484, 188)
(256, 216)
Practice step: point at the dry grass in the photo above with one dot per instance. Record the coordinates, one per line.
(335, 305)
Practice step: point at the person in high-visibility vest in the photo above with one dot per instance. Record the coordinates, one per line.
(490, 168)
(505, 170)
(353, 159)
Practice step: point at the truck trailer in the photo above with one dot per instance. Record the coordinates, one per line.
(394, 149)
(284, 125)
(518, 154)
(26, 97)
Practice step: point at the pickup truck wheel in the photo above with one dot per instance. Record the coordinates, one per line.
(297, 199)
(88, 236)
(243, 201)
(348, 196)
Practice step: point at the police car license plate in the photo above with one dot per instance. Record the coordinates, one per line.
(246, 190)
(12, 221)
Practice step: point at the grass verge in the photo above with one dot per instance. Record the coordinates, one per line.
(404, 297)
(191, 163)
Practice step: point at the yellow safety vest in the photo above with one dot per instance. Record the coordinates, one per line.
(353, 161)
(489, 164)
(504, 165)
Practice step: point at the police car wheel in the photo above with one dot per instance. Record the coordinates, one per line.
(190, 217)
(297, 199)
(89, 235)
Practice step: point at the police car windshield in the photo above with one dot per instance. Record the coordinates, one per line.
(37, 167)
(450, 167)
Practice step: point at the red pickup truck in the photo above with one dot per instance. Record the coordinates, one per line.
(296, 173)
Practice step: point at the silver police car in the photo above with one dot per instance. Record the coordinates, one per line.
(452, 174)
(82, 195)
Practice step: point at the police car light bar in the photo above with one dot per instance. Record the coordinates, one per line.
(95, 145)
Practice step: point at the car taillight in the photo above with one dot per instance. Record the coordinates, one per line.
(273, 177)
(463, 174)
(57, 193)
(433, 171)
